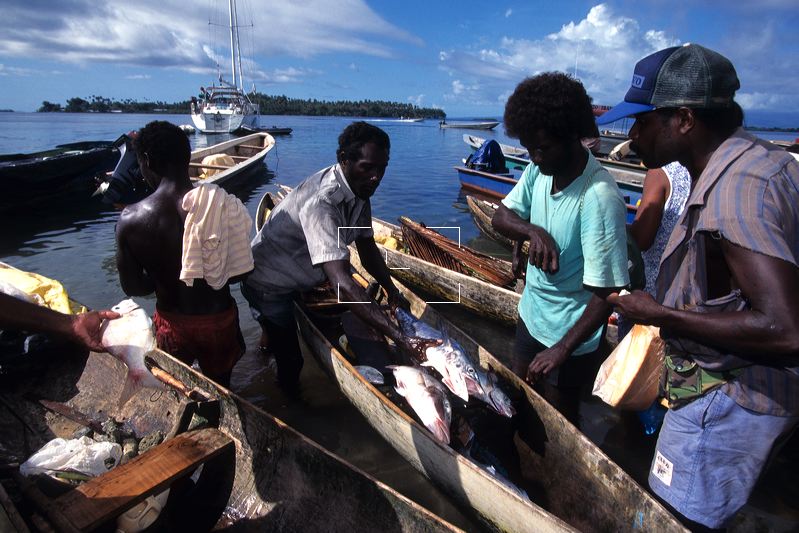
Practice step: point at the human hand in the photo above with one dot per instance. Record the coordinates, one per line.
(637, 306)
(85, 328)
(545, 362)
(397, 299)
(543, 253)
(416, 347)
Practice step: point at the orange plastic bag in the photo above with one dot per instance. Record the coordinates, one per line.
(630, 376)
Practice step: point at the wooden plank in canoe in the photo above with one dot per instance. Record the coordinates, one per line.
(215, 167)
(111, 494)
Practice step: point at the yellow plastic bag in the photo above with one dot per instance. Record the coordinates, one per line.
(629, 378)
(39, 289)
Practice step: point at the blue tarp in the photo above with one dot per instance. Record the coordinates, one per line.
(488, 158)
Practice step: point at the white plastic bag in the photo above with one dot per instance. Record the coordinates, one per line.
(80, 455)
(630, 376)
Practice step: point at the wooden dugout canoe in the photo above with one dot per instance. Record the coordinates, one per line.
(275, 480)
(583, 489)
(482, 212)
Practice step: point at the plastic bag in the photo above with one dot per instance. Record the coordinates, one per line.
(80, 455)
(629, 378)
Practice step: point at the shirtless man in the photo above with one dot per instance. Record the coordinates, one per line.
(194, 321)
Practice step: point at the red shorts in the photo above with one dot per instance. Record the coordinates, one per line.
(214, 340)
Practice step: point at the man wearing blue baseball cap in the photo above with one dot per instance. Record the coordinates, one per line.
(726, 292)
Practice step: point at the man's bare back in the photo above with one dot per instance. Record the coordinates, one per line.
(150, 244)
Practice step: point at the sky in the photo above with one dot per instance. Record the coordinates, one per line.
(462, 56)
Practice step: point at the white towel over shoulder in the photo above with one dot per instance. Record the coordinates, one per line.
(216, 237)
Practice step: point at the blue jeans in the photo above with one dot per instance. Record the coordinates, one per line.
(710, 454)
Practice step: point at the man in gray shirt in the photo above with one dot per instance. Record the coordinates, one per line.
(304, 243)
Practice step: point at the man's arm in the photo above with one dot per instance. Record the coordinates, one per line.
(132, 277)
(594, 316)
(544, 253)
(83, 329)
(338, 273)
(769, 327)
(373, 262)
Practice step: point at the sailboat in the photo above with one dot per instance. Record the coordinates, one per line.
(225, 107)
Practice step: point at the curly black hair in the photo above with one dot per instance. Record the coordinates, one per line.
(358, 134)
(553, 102)
(165, 144)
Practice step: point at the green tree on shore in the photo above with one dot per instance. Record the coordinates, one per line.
(269, 105)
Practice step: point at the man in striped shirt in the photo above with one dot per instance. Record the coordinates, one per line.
(727, 288)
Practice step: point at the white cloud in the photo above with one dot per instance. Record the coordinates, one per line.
(457, 87)
(416, 100)
(171, 33)
(761, 101)
(508, 13)
(602, 48)
(15, 71)
(138, 77)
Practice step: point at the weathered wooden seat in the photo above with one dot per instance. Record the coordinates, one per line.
(109, 495)
(214, 167)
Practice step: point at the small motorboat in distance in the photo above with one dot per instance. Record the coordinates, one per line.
(477, 125)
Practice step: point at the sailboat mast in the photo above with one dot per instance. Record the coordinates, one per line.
(238, 46)
(231, 10)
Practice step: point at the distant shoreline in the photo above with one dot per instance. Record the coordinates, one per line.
(269, 105)
(771, 128)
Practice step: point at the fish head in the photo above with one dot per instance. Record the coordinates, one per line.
(458, 362)
(125, 306)
(501, 403)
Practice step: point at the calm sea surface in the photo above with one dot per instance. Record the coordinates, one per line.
(75, 245)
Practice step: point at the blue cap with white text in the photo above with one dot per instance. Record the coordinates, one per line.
(680, 76)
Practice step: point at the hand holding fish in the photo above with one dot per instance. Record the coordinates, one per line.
(545, 362)
(85, 328)
(637, 306)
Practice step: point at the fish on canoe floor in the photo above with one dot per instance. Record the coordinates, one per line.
(130, 338)
(457, 371)
(427, 397)
(473, 428)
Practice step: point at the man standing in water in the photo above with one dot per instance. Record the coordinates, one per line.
(192, 319)
(304, 243)
(726, 291)
(571, 210)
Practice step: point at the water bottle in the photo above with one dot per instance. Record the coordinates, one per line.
(652, 417)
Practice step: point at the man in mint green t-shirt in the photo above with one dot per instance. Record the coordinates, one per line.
(571, 210)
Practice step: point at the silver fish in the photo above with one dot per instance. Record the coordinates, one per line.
(130, 338)
(371, 374)
(490, 393)
(427, 397)
(457, 371)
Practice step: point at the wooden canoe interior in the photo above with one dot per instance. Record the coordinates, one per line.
(277, 479)
(565, 473)
(237, 152)
(435, 248)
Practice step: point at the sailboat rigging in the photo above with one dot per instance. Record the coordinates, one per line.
(224, 106)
